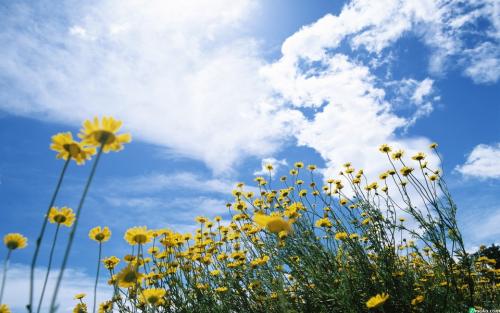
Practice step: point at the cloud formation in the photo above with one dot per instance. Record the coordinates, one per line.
(482, 162)
(182, 76)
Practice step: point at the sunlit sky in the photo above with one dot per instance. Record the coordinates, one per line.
(212, 90)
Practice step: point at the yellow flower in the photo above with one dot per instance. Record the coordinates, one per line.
(419, 156)
(201, 219)
(15, 241)
(405, 171)
(106, 307)
(100, 234)
(397, 155)
(4, 308)
(95, 133)
(64, 216)
(323, 222)
(153, 296)
(128, 277)
(376, 301)
(221, 289)
(384, 148)
(299, 164)
(80, 308)
(273, 223)
(80, 296)
(110, 262)
(341, 236)
(433, 145)
(418, 299)
(137, 235)
(67, 147)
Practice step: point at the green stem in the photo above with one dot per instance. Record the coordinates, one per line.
(73, 231)
(42, 232)
(97, 275)
(4, 276)
(48, 268)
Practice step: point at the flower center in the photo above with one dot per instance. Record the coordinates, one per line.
(12, 244)
(140, 238)
(104, 137)
(99, 236)
(130, 277)
(153, 299)
(72, 148)
(59, 218)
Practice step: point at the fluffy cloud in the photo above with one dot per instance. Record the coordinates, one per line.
(270, 161)
(75, 281)
(175, 72)
(181, 75)
(482, 162)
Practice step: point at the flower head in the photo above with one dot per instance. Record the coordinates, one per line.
(100, 234)
(15, 241)
(106, 307)
(129, 277)
(67, 147)
(63, 216)
(110, 262)
(104, 132)
(80, 296)
(273, 223)
(377, 300)
(137, 235)
(80, 308)
(4, 308)
(153, 296)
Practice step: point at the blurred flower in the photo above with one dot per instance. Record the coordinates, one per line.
(15, 241)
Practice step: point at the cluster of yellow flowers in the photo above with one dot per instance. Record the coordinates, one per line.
(345, 244)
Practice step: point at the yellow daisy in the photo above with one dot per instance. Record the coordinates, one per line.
(100, 234)
(80, 296)
(110, 262)
(377, 300)
(63, 216)
(15, 241)
(106, 307)
(129, 277)
(4, 308)
(80, 308)
(104, 132)
(273, 223)
(67, 147)
(137, 235)
(153, 296)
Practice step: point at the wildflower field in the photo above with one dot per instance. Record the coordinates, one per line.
(295, 243)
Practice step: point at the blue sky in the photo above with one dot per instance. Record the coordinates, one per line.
(210, 90)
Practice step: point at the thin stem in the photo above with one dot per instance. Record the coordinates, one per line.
(97, 275)
(73, 230)
(4, 276)
(48, 268)
(42, 232)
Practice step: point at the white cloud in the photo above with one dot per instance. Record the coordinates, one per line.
(276, 164)
(484, 64)
(75, 281)
(155, 182)
(176, 73)
(482, 162)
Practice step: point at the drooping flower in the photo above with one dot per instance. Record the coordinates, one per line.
(137, 235)
(67, 147)
(100, 234)
(104, 132)
(153, 296)
(377, 300)
(63, 216)
(15, 241)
